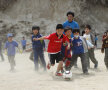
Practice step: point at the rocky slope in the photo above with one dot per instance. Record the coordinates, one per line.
(18, 16)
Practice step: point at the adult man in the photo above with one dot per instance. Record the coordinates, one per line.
(70, 22)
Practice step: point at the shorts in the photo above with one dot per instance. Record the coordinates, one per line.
(55, 57)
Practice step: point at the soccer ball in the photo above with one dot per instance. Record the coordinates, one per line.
(67, 75)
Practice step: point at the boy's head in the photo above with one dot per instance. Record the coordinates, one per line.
(70, 16)
(83, 32)
(23, 38)
(87, 29)
(59, 29)
(105, 33)
(35, 29)
(76, 33)
(9, 36)
(68, 31)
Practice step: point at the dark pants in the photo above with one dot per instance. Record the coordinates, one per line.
(96, 43)
(24, 47)
(83, 61)
(106, 58)
(91, 55)
(38, 53)
(32, 58)
(87, 59)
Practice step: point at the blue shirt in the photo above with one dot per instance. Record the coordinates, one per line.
(38, 44)
(72, 24)
(77, 46)
(23, 42)
(96, 38)
(10, 46)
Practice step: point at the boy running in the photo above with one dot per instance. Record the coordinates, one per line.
(54, 47)
(78, 50)
(64, 50)
(38, 48)
(89, 37)
(10, 47)
(23, 43)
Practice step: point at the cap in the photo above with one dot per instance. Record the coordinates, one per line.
(9, 35)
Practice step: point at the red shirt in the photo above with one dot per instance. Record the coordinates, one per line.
(55, 43)
(103, 37)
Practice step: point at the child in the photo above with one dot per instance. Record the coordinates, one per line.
(38, 48)
(54, 47)
(67, 52)
(10, 47)
(105, 46)
(89, 37)
(78, 50)
(96, 39)
(23, 43)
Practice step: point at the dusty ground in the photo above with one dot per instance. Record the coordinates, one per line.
(25, 78)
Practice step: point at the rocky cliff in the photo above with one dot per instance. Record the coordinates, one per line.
(18, 16)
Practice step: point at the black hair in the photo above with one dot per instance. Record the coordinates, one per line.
(35, 28)
(83, 32)
(67, 28)
(76, 30)
(70, 13)
(59, 26)
(88, 26)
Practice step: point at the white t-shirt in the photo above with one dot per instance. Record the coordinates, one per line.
(88, 39)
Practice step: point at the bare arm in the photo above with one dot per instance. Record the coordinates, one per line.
(28, 50)
(28, 44)
(41, 38)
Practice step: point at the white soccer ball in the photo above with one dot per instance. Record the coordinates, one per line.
(67, 75)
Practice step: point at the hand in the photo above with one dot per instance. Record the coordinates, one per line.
(20, 51)
(35, 39)
(94, 46)
(28, 50)
(64, 44)
(5, 52)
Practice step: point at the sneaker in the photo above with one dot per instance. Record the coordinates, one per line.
(95, 66)
(48, 66)
(59, 74)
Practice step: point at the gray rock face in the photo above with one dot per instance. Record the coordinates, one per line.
(18, 16)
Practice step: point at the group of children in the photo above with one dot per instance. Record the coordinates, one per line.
(62, 49)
